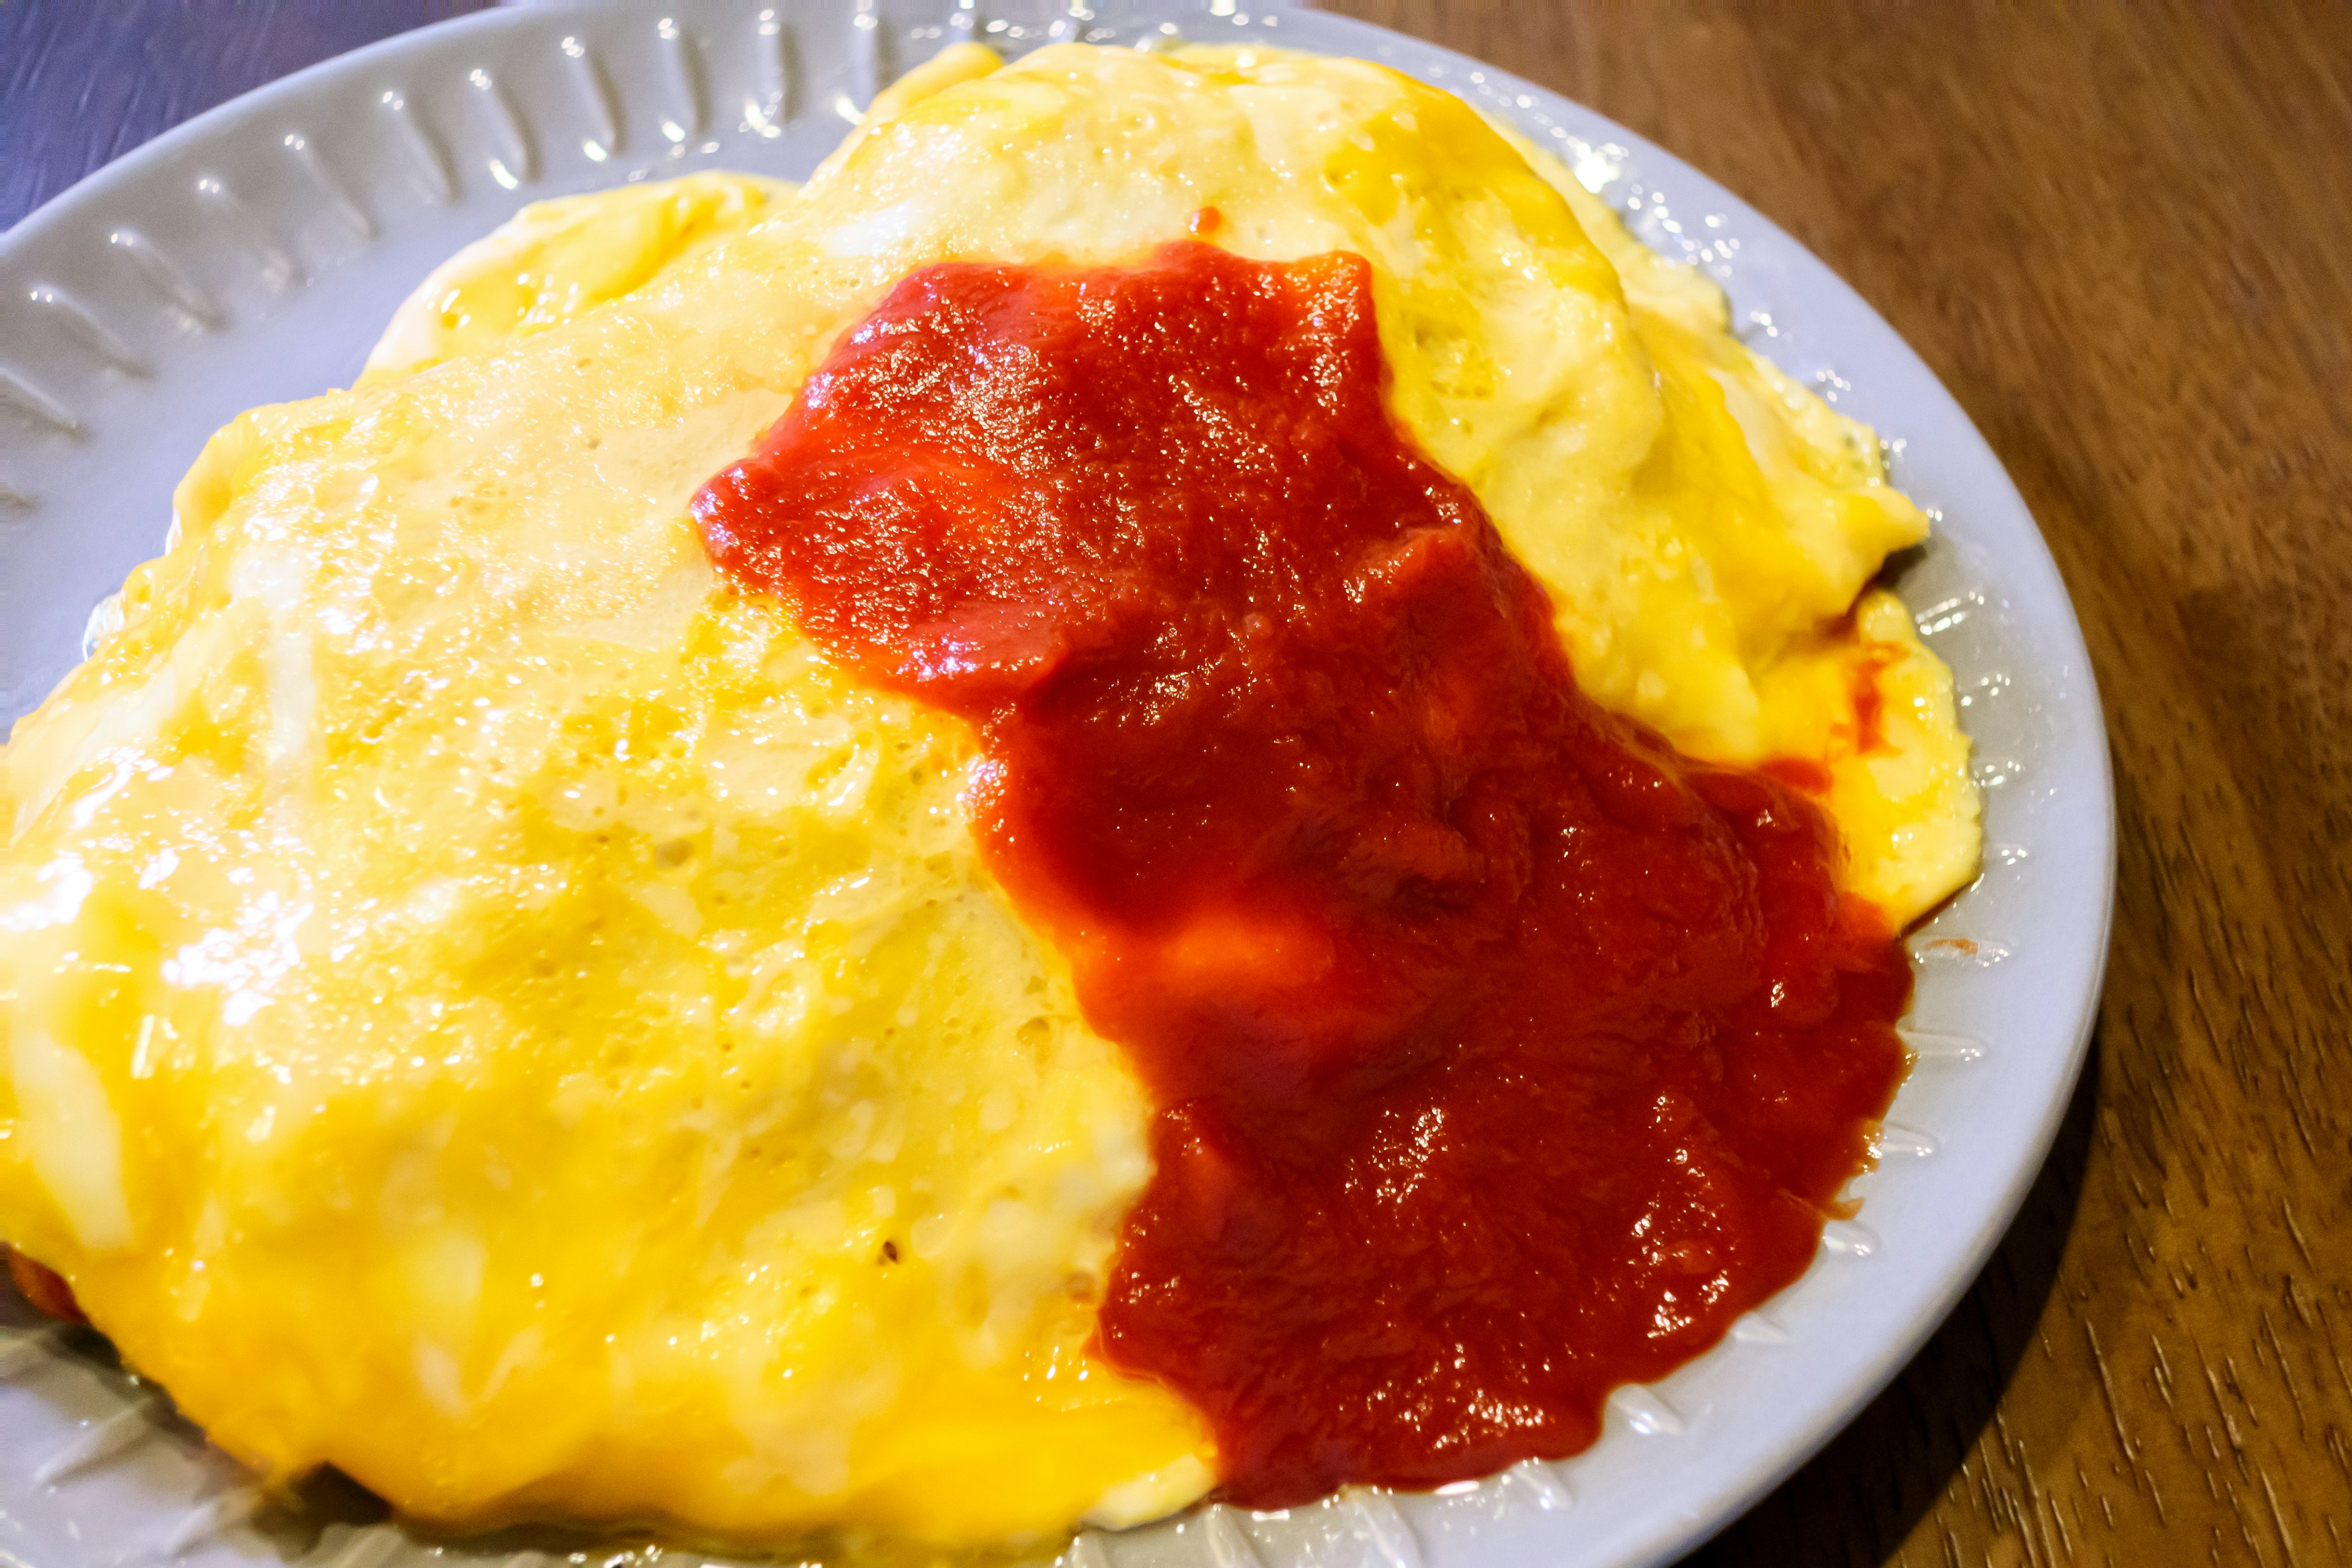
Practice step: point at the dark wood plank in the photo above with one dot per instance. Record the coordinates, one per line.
(2124, 239)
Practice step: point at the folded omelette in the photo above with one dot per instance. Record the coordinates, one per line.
(488, 1008)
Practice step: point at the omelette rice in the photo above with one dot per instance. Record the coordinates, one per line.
(489, 1006)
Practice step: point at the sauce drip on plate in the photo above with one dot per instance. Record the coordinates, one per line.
(1502, 1055)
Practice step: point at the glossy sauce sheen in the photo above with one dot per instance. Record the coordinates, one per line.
(1502, 1055)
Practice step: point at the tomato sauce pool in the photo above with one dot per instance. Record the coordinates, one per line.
(1501, 1055)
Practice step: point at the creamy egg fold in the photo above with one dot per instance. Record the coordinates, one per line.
(487, 1007)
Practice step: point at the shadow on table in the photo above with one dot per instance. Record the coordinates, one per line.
(1860, 1497)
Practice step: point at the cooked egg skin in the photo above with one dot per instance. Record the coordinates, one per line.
(487, 1007)
(555, 260)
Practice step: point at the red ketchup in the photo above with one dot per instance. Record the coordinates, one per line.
(1501, 1055)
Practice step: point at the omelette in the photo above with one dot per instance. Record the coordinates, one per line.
(491, 1005)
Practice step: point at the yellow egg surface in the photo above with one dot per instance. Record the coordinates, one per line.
(485, 1007)
(553, 261)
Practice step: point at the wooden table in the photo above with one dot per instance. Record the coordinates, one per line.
(2123, 240)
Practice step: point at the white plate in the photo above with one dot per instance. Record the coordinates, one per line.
(252, 255)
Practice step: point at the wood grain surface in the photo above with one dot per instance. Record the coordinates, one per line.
(2123, 240)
